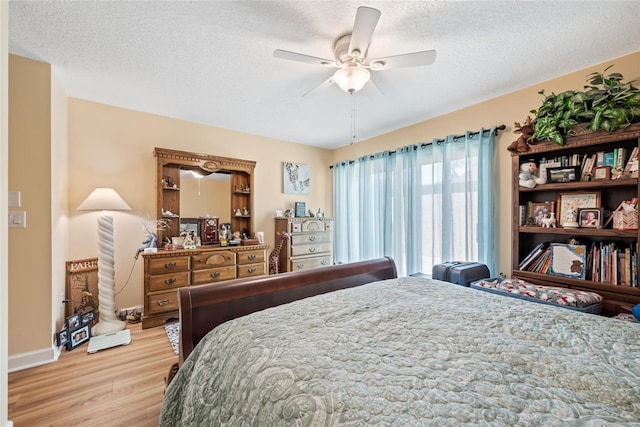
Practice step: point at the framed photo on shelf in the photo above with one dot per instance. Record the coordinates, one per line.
(540, 211)
(571, 203)
(564, 174)
(601, 173)
(544, 167)
(590, 218)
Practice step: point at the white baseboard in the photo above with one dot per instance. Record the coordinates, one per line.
(9, 424)
(31, 359)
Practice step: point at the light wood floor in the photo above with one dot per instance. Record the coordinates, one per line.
(120, 386)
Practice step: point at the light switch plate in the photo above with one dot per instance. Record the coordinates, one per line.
(17, 219)
(14, 199)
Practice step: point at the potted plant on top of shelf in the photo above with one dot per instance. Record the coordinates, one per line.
(608, 103)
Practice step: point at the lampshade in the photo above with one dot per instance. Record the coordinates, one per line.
(104, 199)
(351, 78)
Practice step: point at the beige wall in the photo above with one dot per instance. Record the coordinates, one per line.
(113, 147)
(30, 255)
(4, 185)
(59, 202)
(507, 109)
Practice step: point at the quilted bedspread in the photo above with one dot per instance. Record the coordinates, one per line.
(411, 352)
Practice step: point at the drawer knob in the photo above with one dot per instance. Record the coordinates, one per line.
(312, 238)
(300, 265)
(163, 302)
(215, 274)
(170, 265)
(312, 250)
(252, 257)
(323, 262)
(170, 281)
(252, 270)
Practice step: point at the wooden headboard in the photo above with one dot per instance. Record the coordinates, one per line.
(202, 308)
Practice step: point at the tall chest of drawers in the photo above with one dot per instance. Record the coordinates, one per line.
(310, 243)
(167, 271)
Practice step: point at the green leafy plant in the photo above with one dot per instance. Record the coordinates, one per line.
(607, 104)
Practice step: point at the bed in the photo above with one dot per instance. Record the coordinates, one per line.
(354, 345)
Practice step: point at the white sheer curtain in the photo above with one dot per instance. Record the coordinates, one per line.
(420, 205)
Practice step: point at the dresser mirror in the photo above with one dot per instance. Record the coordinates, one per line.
(191, 186)
(205, 195)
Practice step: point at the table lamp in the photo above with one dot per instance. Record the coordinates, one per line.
(105, 200)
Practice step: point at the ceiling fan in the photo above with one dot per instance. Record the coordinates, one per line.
(350, 52)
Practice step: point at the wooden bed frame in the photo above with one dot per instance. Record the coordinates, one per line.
(202, 308)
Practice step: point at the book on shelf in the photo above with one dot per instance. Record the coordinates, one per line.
(568, 260)
(531, 256)
(632, 164)
(522, 215)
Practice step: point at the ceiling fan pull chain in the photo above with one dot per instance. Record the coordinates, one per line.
(353, 117)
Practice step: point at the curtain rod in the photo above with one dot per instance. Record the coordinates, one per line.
(424, 144)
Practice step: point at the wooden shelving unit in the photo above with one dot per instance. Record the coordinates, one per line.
(617, 298)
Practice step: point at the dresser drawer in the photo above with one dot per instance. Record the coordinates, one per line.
(250, 270)
(319, 248)
(168, 265)
(200, 277)
(212, 259)
(311, 238)
(162, 301)
(168, 281)
(251, 257)
(307, 225)
(309, 263)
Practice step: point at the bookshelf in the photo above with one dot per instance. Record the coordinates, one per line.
(621, 291)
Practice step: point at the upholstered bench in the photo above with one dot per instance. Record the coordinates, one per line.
(587, 302)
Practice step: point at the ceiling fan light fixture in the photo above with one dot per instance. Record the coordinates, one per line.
(351, 79)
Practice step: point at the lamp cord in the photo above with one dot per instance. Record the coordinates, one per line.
(135, 259)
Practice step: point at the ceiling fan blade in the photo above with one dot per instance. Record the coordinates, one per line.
(299, 57)
(365, 23)
(325, 84)
(414, 59)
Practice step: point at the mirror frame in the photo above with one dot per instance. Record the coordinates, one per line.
(168, 165)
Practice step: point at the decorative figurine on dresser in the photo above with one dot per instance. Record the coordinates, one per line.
(310, 243)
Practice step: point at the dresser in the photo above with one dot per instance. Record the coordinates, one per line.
(310, 243)
(167, 271)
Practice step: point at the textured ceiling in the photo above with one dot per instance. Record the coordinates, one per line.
(212, 62)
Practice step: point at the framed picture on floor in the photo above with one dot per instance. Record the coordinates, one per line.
(82, 286)
(78, 336)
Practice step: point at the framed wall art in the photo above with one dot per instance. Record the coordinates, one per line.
(82, 286)
(295, 178)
